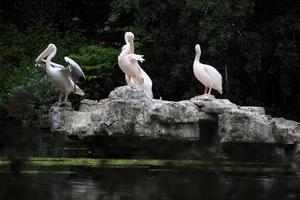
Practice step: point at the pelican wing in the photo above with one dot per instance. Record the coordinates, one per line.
(75, 70)
(136, 57)
(147, 85)
(214, 75)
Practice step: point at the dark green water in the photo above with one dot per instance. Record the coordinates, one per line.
(44, 167)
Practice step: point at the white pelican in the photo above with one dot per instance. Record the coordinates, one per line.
(128, 61)
(206, 74)
(147, 84)
(64, 78)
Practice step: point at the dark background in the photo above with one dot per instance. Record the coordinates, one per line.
(254, 44)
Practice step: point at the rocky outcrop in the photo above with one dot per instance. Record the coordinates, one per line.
(285, 131)
(57, 116)
(128, 111)
(209, 104)
(240, 126)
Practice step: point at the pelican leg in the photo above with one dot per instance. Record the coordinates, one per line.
(135, 82)
(66, 97)
(205, 90)
(60, 97)
(129, 80)
(209, 91)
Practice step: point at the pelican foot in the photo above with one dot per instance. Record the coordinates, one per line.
(204, 96)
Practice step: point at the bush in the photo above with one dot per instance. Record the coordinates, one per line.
(100, 66)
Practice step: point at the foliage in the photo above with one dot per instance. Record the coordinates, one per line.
(101, 69)
(255, 41)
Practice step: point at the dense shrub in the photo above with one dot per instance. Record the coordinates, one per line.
(101, 68)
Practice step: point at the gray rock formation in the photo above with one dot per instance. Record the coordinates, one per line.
(209, 104)
(240, 126)
(247, 124)
(285, 131)
(128, 111)
(57, 115)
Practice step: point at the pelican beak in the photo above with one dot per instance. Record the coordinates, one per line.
(38, 63)
(44, 54)
(132, 38)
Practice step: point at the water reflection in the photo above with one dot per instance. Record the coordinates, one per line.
(27, 141)
(142, 184)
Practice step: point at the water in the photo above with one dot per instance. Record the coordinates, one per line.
(141, 184)
(53, 170)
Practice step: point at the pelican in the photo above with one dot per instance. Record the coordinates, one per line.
(128, 61)
(147, 84)
(206, 74)
(64, 78)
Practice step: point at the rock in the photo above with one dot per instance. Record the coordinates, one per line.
(286, 131)
(201, 99)
(209, 104)
(253, 109)
(218, 124)
(128, 92)
(87, 105)
(57, 115)
(240, 126)
(130, 112)
(79, 124)
(251, 126)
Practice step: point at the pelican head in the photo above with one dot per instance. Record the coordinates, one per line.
(51, 48)
(198, 49)
(129, 36)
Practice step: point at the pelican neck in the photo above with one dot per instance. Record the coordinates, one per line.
(130, 45)
(48, 61)
(197, 56)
